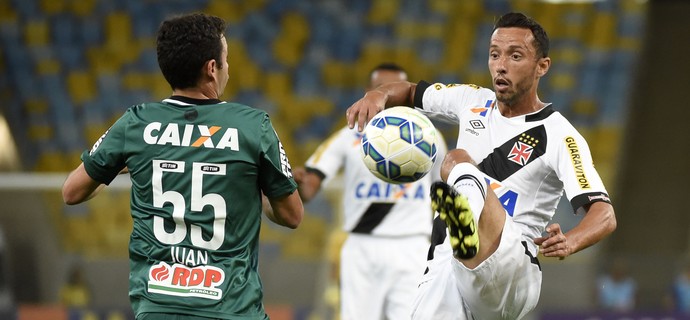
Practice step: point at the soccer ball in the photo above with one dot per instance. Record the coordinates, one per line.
(399, 145)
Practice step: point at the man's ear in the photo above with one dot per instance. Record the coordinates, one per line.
(543, 66)
(210, 68)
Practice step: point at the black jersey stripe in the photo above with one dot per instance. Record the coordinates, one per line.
(419, 93)
(541, 115)
(438, 235)
(532, 258)
(498, 164)
(588, 198)
(372, 217)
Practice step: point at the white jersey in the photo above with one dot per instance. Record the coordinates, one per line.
(531, 158)
(370, 205)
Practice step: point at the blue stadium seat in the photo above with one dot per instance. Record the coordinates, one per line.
(90, 31)
(63, 29)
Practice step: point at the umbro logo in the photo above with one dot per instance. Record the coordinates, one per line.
(477, 124)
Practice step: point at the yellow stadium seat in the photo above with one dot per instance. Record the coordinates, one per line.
(563, 81)
(81, 86)
(103, 61)
(40, 132)
(115, 315)
(160, 88)
(585, 107)
(53, 6)
(337, 74)
(254, 5)
(383, 11)
(231, 11)
(93, 131)
(7, 14)
(287, 51)
(72, 159)
(605, 24)
(480, 78)
(36, 33)
(295, 26)
(277, 85)
(444, 6)
(36, 106)
(50, 161)
(293, 112)
(633, 6)
(135, 80)
(48, 66)
(89, 315)
(458, 44)
(312, 230)
(288, 46)
(82, 8)
(118, 28)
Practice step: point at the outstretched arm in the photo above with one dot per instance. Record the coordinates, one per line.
(388, 95)
(598, 222)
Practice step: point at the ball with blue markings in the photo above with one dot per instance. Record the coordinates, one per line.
(399, 145)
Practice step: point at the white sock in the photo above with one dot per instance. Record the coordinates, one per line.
(469, 181)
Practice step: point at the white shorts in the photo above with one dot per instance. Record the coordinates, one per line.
(379, 275)
(505, 286)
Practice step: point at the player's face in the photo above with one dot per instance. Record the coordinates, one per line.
(222, 73)
(380, 77)
(513, 64)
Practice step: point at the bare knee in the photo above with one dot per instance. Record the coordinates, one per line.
(454, 157)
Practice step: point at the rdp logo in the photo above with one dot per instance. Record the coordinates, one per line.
(180, 280)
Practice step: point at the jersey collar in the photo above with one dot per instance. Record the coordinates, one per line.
(541, 114)
(187, 101)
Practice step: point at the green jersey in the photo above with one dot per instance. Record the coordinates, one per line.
(198, 168)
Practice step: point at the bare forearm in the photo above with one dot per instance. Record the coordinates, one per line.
(80, 187)
(596, 225)
(398, 93)
(374, 101)
(286, 211)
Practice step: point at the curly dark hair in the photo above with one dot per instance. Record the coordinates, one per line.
(519, 20)
(184, 44)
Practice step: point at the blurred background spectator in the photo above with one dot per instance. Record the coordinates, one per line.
(678, 298)
(616, 289)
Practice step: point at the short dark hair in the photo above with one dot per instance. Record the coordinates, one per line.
(184, 44)
(519, 20)
(387, 66)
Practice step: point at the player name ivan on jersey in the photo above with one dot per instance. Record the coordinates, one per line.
(190, 135)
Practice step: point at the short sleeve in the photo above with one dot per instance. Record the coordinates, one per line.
(330, 156)
(575, 168)
(106, 158)
(275, 172)
(448, 101)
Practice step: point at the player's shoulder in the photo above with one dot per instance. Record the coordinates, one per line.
(465, 87)
(559, 128)
(553, 119)
(243, 109)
